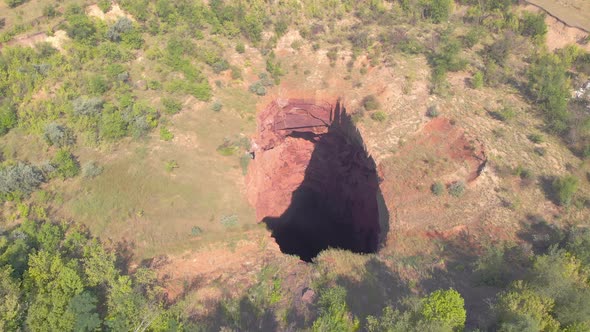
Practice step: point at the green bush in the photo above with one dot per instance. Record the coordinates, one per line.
(432, 111)
(104, 5)
(165, 134)
(19, 178)
(533, 25)
(258, 88)
(91, 169)
(378, 116)
(437, 188)
(66, 165)
(58, 135)
(8, 118)
(334, 314)
(112, 126)
(506, 114)
(14, 3)
(550, 88)
(171, 165)
(171, 106)
(536, 138)
(445, 306)
(81, 28)
(84, 106)
(477, 80)
(457, 188)
(565, 188)
(240, 48)
(121, 26)
(217, 106)
(370, 103)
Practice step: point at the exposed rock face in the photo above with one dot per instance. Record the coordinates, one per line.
(312, 181)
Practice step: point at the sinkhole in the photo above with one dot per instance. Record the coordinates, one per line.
(312, 181)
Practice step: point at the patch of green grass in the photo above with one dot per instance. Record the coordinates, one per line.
(378, 116)
(165, 134)
(171, 165)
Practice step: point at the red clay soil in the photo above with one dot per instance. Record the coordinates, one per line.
(451, 141)
(280, 159)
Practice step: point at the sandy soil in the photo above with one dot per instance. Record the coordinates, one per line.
(112, 15)
(559, 34)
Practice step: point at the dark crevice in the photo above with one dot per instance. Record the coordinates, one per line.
(337, 204)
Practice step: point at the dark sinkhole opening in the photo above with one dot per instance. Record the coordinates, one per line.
(339, 203)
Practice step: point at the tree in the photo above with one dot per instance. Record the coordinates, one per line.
(10, 300)
(120, 27)
(83, 308)
(19, 178)
(550, 87)
(58, 135)
(334, 315)
(533, 25)
(84, 106)
(7, 118)
(564, 188)
(81, 28)
(66, 165)
(446, 306)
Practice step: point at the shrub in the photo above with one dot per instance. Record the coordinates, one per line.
(257, 88)
(477, 80)
(171, 165)
(14, 3)
(445, 306)
(437, 188)
(564, 188)
(19, 178)
(58, 135)
(229, 220)
(49, 11)
(432, 111)
(457, 188)
(216, 107)
(104, 5)
(378, 116)
(91, 169)
(549, 87)
(120, 27)
(533, 25)
(370, 103)
(84, 106)
(8, 118)
(196, 231)
(506, 114)
(536, 138)
(66, 165)
(240, 48)
(80, 28)
(171, 106)
(165, 134)
(112, 126)
(333, 312)
(97, 84)
(236, 73)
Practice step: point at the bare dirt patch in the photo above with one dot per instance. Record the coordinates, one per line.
(112, 15)
(560, 33)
